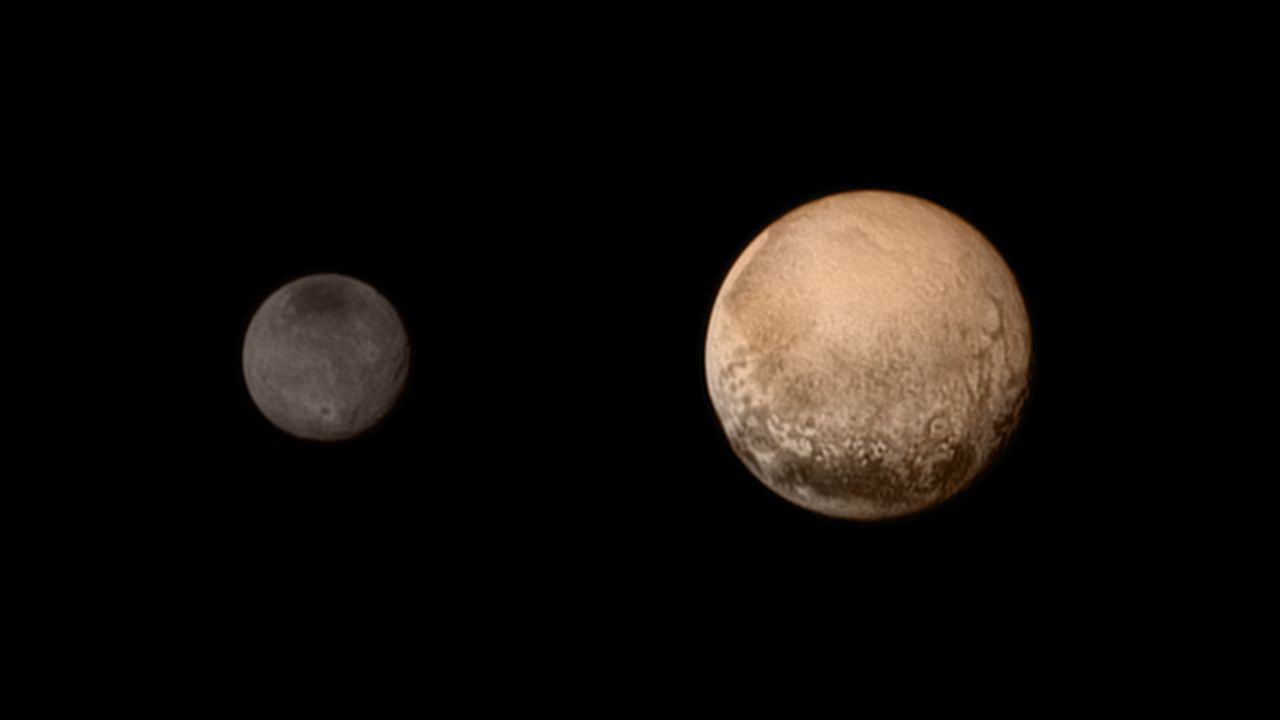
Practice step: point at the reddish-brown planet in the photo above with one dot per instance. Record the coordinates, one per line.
(868, 355)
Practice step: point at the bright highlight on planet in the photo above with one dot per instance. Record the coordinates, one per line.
(867, 355)
(325, 357)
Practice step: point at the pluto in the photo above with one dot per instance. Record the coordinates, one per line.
(325, 357)
(868, 355)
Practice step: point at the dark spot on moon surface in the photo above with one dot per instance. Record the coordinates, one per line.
(319, 298)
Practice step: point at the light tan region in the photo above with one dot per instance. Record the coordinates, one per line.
(868, 355)
(325, 357)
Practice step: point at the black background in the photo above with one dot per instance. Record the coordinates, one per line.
(556, 437)
(552, 224)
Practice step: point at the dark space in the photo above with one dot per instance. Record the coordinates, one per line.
(553, 240)
(555, 436)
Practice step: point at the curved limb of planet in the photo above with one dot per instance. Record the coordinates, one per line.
(868, 354)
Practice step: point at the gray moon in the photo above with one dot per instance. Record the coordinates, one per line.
(868, 355)
(325, 357)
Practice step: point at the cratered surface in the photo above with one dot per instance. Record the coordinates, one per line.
(325, 357)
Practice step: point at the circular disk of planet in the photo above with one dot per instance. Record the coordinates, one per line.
(325, 357)
(868, 355)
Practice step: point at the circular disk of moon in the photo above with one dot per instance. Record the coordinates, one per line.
(325, 357)
(868, 355)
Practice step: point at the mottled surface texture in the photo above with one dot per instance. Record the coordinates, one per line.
(325, 357)
(868, 355)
